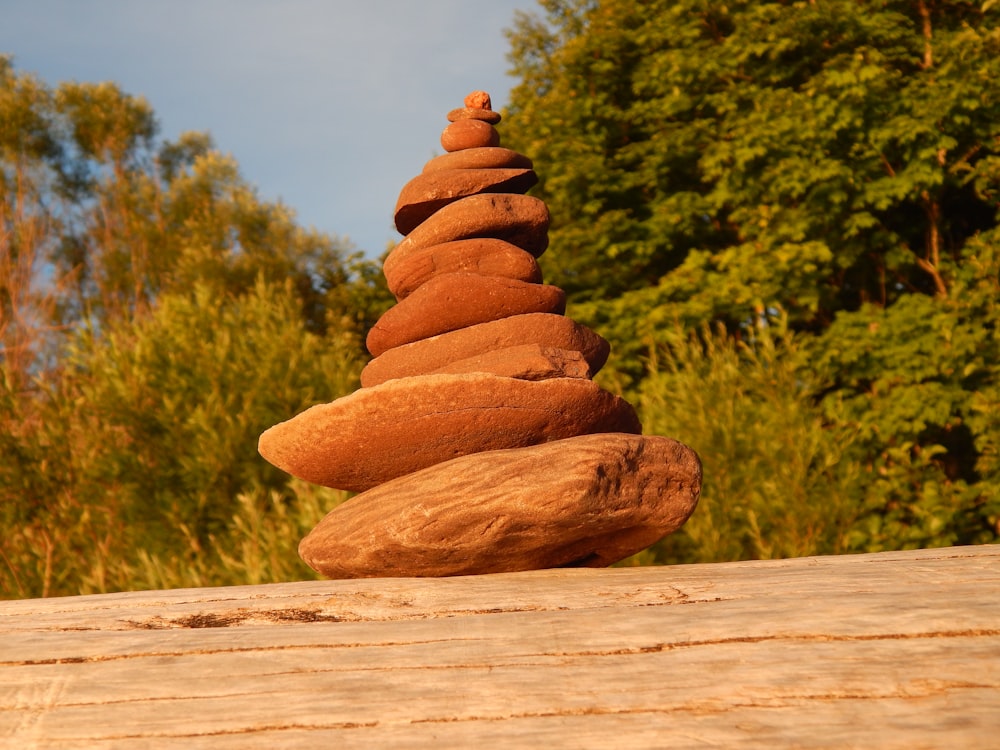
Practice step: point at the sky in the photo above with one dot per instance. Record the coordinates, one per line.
(329, 106)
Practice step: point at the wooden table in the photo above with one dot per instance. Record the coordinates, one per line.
(892, 650)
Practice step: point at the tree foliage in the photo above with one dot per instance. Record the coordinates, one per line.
(708, 161)
(919, 381)
(778, 479)
(155, 317)
(720, 156)
(109, 217)
(144, 449)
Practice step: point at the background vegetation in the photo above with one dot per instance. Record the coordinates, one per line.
(783, 215)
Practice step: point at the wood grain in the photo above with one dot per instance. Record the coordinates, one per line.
(893, 650)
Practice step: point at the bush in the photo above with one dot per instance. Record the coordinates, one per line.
(137, 466)
(774, 485)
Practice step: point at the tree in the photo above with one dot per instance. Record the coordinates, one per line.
(709, 161)
(28, 223)
(919, 382)
(109, 217)
(778, 478)
(144, 449)
(155, 317)
(797, 152)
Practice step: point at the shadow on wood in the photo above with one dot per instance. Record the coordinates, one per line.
(892, 650)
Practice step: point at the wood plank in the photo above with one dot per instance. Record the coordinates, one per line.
(889, 650)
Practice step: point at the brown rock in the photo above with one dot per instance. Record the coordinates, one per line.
(478, 100)
(380, 433)
(518, 219)
(485, 256)
(432, 354)
(426, 193)
(490, 157)
(526, 362)
(582, 502)
(469, 134)
(469, 113)
(457, 300)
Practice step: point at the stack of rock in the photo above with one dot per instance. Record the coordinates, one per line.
(479, 442)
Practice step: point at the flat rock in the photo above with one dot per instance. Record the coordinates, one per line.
(426, 193)
(474, 113)
(429, 355)
(518, 219)
(584, 502)
(376, 434)
(527, 362)
(482, 255)
(490, 157)
(469, 134)
(458, 300)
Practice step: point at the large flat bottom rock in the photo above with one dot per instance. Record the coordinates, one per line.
(584, 501)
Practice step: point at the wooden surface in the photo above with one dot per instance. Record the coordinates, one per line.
(895, 650)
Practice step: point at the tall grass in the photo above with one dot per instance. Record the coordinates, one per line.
(775, 484)
(135, 465)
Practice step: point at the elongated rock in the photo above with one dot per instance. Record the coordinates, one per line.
(518, 219)
(376, 434)
(526, 362)
(584, 501)
(474, 113)
(432, 354)
(482, 255)
(458, 300)
(488, 157)
(427, 193)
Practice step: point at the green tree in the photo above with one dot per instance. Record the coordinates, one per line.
(919, 382)
(716, 156)
(709, 161)
(109, 216)
(140, 468)
(777, 482)
(155, 317)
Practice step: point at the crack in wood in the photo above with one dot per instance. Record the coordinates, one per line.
(238, 617)
(652, 648)
(794, 638)
(291, 727)
(217, 651)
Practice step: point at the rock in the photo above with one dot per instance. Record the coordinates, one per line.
(493, 157)
(469, 134)
(584, 501)
(478, 100)
(478, 439)
(457, 300)
(527, 362)
(485, 256)
(426, 193)
(437, 352)
(468, 113)
(376, 434)
(518, 219)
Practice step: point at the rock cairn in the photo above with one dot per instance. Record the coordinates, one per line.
(478, 441)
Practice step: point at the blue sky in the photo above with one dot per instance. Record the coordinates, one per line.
(330, 106)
